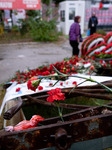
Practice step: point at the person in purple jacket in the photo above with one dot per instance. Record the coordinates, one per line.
(75, 35)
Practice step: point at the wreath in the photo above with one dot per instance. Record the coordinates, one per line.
(94, 41)
(108, 38)
(97, 48)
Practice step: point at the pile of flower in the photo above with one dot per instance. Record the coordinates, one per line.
(96, 43)
(92, 45)
(67, 66)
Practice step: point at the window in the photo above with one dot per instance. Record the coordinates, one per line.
(62, 15)
(71, 13)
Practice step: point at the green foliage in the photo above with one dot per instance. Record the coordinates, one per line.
(15, 29)
(40, 30)
(43, 30)
(58, 1)
(24, 27)
(47, 2)
(103, 55)
(33, 13)
(102, 32)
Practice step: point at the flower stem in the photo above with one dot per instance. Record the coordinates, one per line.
(65, 75)
(60, 113)
(103, 105)
(76, 86)
(88, 79)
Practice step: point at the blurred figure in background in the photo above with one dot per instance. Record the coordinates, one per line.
(75, 35)
(93, 22)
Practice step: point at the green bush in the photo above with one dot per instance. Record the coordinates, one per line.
(40, 30)
(102, 32)
(25, 27)
(43, 30)
(32, 13)
(15, 29)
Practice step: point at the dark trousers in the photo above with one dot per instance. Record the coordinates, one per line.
(74, 45)
(92, 30)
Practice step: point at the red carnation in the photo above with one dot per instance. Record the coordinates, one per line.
(50, 84)
(33, 83)
(110, 62)
(61, 83)
(92, 67)
(68, 70)
(93, 57)
(67, 62)
(75, 83)
(101, 61)
(104, 65)
(73, 68)
(18, 89)
(55, 94)
(40, 88)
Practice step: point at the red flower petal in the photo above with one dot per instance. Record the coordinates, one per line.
(50, 84)
(92, 67)
(18, 89)
(61, 83)
(40, 88)
(55, 94)
(75, 83)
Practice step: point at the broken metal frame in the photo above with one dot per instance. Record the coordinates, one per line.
(90, 123)
(83, 125)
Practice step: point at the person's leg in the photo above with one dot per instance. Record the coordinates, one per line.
(93, 30)
(74, 45)
(75, 48)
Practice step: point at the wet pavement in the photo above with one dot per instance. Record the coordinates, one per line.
(20, 56)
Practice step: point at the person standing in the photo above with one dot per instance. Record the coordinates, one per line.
(75, 35)
(92, 25)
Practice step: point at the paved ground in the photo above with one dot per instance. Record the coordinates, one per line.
(20, 56)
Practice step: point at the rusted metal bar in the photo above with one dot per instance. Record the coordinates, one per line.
(93, 90)
(78, 126)
(68, 106)
(99, 96)
(12, 111)
(88, 112)
(87, 92)
(80, 93)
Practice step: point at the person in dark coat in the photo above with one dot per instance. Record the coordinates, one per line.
(75, 35)
(92, 25)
